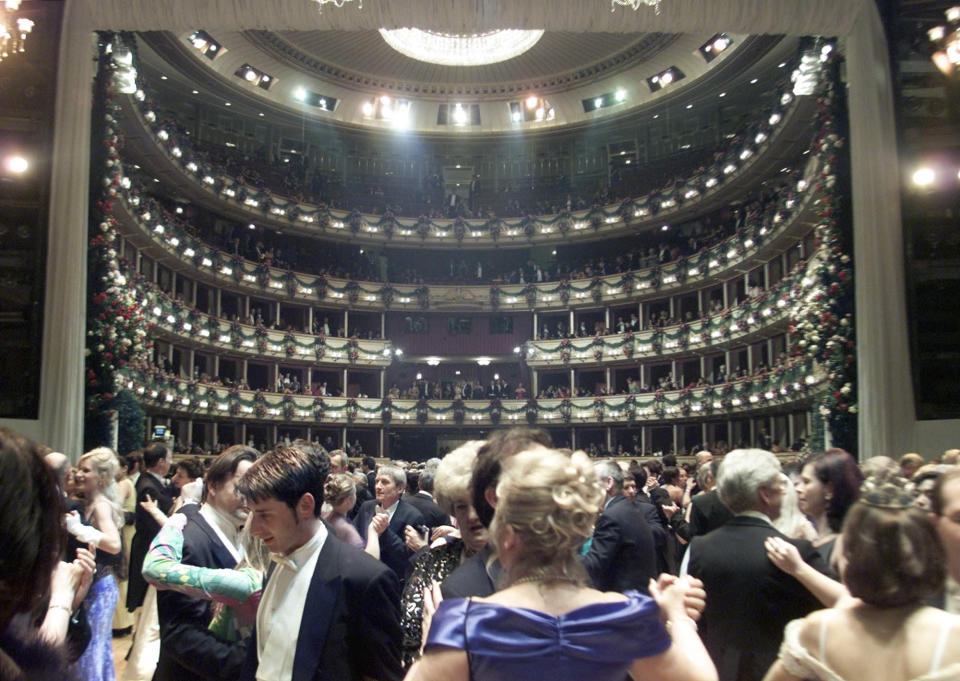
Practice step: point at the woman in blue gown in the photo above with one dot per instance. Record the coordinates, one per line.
(545, 624)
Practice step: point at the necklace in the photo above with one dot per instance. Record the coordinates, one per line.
(529, 579)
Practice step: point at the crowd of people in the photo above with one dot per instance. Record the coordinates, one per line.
(505, 559)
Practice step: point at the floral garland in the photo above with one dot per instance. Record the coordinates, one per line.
(117, 329)
(823, 323)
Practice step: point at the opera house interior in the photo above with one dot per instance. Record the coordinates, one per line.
(646, 226)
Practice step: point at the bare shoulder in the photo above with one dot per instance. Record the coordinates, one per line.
(440, 665)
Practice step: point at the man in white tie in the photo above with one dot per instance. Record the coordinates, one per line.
(329, 611)
(188, 649)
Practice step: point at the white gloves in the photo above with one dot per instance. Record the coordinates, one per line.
(84, 533)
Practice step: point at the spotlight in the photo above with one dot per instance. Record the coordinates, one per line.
(367, 109)
(924, 177)
(300, 94)
(16, 164)
(598, 102)
(532, 101)
(621, 95)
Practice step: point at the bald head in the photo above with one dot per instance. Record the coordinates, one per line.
(951, 457)
(60, 465)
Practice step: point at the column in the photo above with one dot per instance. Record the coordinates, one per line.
(191, 362)
(700, 308)
(383, 384)
(609, 439)
(243, 433)
(750, 359)
(571, 327)
(703, 366)
(190, 431)
(573, 384)
(607, 380)
(277, 313)
(276, 376)
(573, 439)
(726, 295)
(534, 390)
(643, 440)
(673, 370)
(676, 429)
(536, 325)
(606, 317)
(383, 442)
(641, 316)
(345, 378)
(246, 308)
(703, 435)
(766, 275)
(753, 432)
(193, 292)
(173, 283)
(309, 379)
(346, 323)
(215, 433)
(383, 325)
(343, 438)
(672, 308)
(244, 371)
(216, 366)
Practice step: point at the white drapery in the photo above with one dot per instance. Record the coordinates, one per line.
(886, 402)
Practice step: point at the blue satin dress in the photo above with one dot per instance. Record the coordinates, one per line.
(597, 642)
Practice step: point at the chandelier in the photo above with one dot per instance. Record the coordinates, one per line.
(634, 4)
(946, 39)
(458, 49)
(338, 3)
(13, 31)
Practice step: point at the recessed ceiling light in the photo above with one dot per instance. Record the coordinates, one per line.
(655, 116)
(781, 64)
(260, 114)
(689, 106)
(163, 77)
(722, 94)
(227, 104)
(754, 81)
(196, 92)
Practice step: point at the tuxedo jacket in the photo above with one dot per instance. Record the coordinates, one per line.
(146, 529)
(622, 555)
(433, 515)
(393, 547)
(749, 600)
(350, 624)
(473, 578)
(188, 650)
(707, 513)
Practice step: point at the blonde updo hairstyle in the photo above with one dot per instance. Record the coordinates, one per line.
(551, 501)
(105, 464)
(338, 487)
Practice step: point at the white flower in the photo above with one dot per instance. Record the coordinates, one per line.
(852, 409)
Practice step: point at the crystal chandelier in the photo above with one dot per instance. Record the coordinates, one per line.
(458, 49)
(946, 40)
(13, 31)
(338, 3)
(634, 4)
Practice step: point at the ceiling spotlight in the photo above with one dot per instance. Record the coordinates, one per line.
(532, 102)
(16, 164)
(598, 102)
(516, 116)
(367, 109)
(621, 95)
(924, 177)
(459, 114)
(250, 75)
(753, 81)
(300, 94)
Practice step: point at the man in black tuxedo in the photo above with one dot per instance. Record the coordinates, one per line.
(390, 483)
(433, 515)
(707, 511)
(750, 598)
(211, 538)
(150, 485)
(622, 554)
(329, 611)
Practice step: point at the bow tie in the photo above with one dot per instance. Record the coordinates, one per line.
(284, 561)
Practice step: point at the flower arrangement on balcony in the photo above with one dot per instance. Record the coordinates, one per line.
(351, 409)
(595, 216)
(319, 408)
(289, 407)
(355, 221)
(423, 226)
(459, 229)
(423, 410)
(529, 226)
(320, 286)
(596, 289)
(532, 409)
(459, 412)
(386, 413)
(495, 294)
(422, 293)
(564, 222)
(388, 222)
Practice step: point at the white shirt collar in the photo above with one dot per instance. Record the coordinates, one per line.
(225, 528)
(282, 606)
(757, 514)
(393, 509)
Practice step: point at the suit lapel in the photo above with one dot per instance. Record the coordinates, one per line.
(220, 552)
(318, 612)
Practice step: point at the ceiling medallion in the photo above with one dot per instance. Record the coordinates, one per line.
(460, 50)
(634, 4)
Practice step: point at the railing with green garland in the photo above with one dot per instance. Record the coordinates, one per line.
(656, 206)
(148, 219)
(790, 385)
(738, 323)
(197, 329)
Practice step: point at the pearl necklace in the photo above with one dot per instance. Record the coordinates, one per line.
(529, 579)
